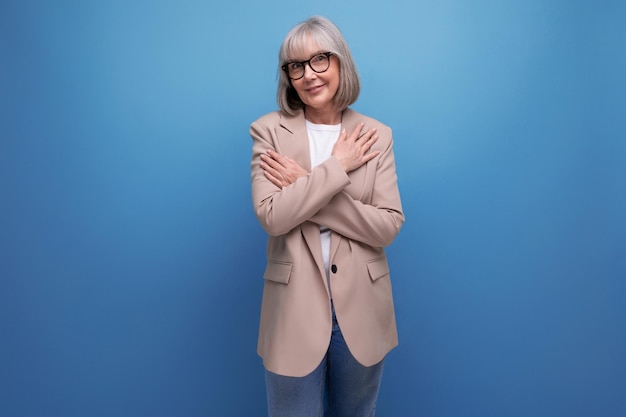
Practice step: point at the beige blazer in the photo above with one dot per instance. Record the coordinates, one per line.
(364, 212)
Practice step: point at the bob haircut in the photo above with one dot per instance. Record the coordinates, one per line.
(328, 38)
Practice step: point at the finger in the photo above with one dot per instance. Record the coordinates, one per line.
(270, 170)
(271, 162)
(356, 132)
(367, 135)
(274, 180)
(276, 156)
(370, 141)
(289, 163)
(284, 166)
(342, 135)
(370, 156)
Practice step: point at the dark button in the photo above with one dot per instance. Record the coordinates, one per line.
(333, 269)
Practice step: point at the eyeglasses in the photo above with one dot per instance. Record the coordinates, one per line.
(318, 63)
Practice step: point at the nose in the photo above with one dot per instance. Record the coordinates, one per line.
(308, 71)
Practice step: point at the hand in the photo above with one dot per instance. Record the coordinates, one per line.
(352, 151)
(281, 170)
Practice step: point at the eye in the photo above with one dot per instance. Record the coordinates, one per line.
(295, 66)
(319, 58)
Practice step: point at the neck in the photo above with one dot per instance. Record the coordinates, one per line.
(322, 117)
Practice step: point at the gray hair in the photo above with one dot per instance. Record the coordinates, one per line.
(328, 37)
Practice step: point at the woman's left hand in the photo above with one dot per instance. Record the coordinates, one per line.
(280, 169)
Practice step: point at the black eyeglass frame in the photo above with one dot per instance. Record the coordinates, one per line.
(308, 62)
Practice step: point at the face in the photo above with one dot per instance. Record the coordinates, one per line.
(317, 90)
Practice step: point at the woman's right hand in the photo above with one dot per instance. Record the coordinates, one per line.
(353, 150)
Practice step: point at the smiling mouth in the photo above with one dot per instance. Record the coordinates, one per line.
(314, 89)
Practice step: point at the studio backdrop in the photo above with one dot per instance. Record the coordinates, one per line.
(131, 261)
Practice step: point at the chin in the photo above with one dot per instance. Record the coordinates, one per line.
(320, 104)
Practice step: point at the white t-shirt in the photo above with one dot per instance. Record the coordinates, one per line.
(322, 138)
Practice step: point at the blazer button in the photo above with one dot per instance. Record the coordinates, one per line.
(333, 269)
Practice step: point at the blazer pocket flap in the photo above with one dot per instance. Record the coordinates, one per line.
(378, 268)
(278, 271)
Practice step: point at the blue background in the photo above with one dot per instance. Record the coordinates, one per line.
(131, 261)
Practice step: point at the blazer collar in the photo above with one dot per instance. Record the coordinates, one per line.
(293, 124)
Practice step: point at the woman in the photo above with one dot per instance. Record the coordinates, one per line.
(324, 188)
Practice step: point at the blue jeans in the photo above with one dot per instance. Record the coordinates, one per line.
(338, 387)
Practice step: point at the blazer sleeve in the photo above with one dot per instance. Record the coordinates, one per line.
(281, 210)
(375, 224)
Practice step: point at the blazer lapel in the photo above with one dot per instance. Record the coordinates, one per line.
(350, 119)
(335, 238)
(294, 140)
(311, 233)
